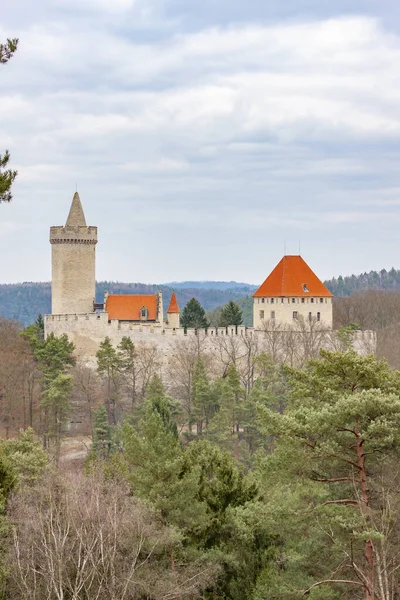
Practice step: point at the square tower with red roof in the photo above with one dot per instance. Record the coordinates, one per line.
(292, 292)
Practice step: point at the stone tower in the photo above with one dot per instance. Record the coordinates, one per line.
(73, 263)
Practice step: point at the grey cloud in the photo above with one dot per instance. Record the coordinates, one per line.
(211, 142)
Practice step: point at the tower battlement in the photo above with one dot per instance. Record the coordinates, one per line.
(73, 235)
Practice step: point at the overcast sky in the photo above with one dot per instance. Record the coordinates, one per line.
(204, 135)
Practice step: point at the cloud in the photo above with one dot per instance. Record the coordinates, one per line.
(253, 127)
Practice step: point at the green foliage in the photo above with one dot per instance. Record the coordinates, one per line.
(102, 433)
(225, 425)
(22, 462)
(194, 315)
(53, 355)
(203, 395)
(155, 389)
(8, 49)
(156, 461)
(230, 315)
(7, 176)
(110, 364)
(340, 426)
(25, 457)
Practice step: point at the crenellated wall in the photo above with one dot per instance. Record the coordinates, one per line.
(87, 331)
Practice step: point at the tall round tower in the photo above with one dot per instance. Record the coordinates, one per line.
(73, 263)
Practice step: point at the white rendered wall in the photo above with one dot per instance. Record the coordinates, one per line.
(282, 309)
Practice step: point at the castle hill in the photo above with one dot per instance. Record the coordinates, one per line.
(199, 300)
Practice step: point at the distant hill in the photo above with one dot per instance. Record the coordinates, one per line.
(374, 280)
(245, 288)
(24, 301)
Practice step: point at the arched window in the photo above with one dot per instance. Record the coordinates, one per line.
(143, 313)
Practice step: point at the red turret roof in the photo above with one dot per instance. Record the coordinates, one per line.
(292, 277)
(128, 307)
(173, 305)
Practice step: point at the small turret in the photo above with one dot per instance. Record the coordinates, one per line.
(173, 312)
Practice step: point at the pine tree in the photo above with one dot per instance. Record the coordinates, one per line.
(102, 437)
(155, 458)
(194, 316)
(230, 315)
(110, 364)
(333, 441)
(128, 355)
(204, 403)
(7, 176)
(56, 402)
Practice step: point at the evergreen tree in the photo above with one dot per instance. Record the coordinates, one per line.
(225, 425)
(7, 176)
(194, 316)
(102, 437)
(128, 355)
(110, 364)
(155, 459)
(40, 326)
(230, 315)
(56, 402)
(337, 434)
(53, 356)
(155, 389)
(203, 395)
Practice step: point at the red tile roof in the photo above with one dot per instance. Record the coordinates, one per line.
(128, 307)
(292, 277)
(173, 305)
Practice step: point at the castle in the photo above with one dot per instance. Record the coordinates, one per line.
(292, 293)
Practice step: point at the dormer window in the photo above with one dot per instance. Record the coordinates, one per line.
(143, 313)
(305, 288)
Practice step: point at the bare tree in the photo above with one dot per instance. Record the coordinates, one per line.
(79, 537)
(87, 394)
(183, 356)
(19, 393)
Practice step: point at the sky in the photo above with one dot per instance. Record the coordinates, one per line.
(205, 138)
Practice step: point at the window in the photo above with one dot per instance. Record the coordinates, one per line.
(318, 316)
(272, 314)
(143, 313)
(309, 316)
(303, 300)
(293, 300)
(295, 314)
(312, 300)
(262, 300)
(321, 300)
(305, 288)
(261, 314)
(282, 300)
(272, 300)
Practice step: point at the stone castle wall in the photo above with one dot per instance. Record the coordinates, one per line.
(87, 331)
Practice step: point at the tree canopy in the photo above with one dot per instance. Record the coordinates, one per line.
(7, 176)
(231, 315)
(194, 315)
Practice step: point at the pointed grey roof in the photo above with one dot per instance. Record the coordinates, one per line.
(76, 217)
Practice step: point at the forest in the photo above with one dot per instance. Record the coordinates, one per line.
(24, 301)
(257, 472)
